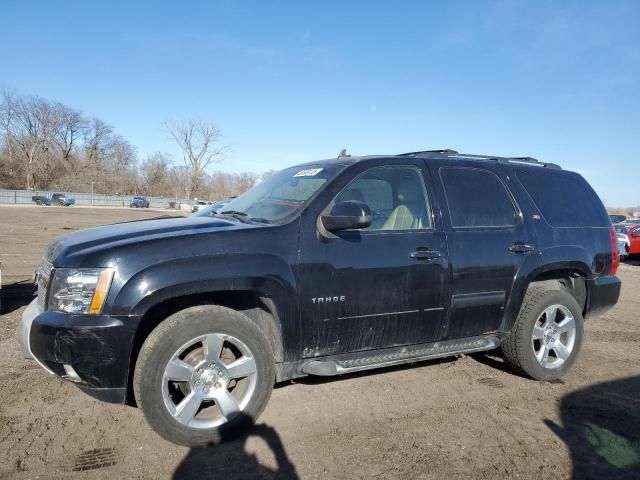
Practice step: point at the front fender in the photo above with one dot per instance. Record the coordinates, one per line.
(263, 274)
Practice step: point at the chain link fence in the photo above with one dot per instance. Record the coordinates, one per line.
(18, 197)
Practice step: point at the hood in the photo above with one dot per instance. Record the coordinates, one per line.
(121, 234)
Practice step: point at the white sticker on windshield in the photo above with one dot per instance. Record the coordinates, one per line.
(308, 173)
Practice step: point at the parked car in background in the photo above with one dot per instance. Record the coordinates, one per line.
(633, 233)
(617, 218)
(53, 199)
(139, 202)
(215, 207)
(198, 204)
(624, 243)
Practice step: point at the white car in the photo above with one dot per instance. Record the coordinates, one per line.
(198, 204)
(623, 240)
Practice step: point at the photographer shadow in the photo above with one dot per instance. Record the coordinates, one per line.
(231, 461)
(601, 427)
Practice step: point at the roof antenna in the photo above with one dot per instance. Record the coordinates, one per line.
(343, 154)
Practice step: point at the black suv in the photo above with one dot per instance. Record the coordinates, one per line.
(326, 268)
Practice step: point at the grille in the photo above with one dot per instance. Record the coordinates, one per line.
(43, 274)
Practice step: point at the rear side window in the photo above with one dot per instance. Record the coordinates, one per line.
(476, 198)
(564, 199)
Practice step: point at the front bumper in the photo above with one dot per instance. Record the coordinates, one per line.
(93, 351)
(603, 294)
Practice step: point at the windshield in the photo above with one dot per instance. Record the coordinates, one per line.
(617, 218)
(283, 194)
(624, 230)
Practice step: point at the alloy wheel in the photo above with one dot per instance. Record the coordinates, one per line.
(209, 381)
(554, 336)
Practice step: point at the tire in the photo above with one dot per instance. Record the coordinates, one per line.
(523, 349)
(155, 395)
(39, 202)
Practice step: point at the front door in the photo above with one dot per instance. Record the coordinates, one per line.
(381, 286)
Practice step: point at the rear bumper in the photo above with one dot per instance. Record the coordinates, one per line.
(603, 294)
(92, 351)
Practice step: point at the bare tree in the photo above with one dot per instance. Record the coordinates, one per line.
(222, 184)
(197, 139)
(154, 175)
(36, 124)
(7, 114)
(96, 140)
(72, 127)
(45, 144)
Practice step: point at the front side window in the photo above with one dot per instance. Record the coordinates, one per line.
(395, 195)
(476, 198)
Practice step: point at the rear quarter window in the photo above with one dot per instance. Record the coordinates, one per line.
(564, 199)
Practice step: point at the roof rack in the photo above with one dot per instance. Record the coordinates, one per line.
(445, 151)
(454, 154)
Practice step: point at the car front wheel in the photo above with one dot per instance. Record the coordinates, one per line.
(204, 375)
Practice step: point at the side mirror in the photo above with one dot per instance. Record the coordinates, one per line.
(347, 215)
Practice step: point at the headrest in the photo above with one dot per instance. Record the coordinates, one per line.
(409, 192)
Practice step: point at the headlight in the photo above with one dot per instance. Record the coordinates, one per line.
(81, 290)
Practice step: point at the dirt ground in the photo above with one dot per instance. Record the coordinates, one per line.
(456, 418)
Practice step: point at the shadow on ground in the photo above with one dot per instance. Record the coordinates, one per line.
(601, 427)
(230, 460)
(16, 295)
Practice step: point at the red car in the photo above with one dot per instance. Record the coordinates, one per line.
(634, 239)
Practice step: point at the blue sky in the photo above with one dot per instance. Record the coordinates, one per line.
(288, 82)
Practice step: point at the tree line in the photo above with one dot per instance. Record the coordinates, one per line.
(47, 145)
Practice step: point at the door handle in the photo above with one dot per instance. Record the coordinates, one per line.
(520, 247)
(423, 253)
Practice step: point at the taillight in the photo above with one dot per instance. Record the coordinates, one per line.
(615, 251)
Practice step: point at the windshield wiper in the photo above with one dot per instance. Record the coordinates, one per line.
(261, 220)
(243, 217)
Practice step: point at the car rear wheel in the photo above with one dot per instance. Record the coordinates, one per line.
(547, 336)
(204, 375)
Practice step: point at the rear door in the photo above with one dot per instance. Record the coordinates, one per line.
(487, 241)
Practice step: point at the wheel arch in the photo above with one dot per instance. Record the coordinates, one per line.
(572, 274)
(260, 309)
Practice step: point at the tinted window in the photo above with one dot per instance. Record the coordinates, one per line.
(476, 198)
(564, 199)
(395, 195)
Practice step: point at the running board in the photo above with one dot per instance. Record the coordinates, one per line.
(368, 360)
